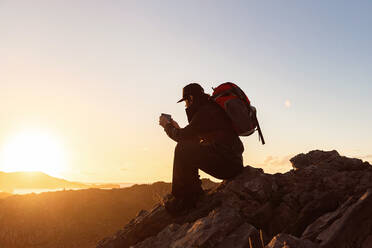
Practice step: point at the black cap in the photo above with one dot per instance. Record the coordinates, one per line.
(192, 89)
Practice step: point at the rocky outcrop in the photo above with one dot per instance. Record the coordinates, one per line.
(287, 241)
(325, 201)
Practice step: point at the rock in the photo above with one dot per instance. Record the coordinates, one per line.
(352, 228)
(367, 242)
(288, 241)
(312, 158)
(324, 202)
(166, 237)
(241, 237)
(331, 159)
(205, 232)
(348, 226)
(147, 224)
(283, 217)
(311, 211)
(323, 222)
(211, 230)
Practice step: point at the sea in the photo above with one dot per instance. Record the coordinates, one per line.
(38, 191)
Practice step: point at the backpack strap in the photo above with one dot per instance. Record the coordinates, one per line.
(260, 136)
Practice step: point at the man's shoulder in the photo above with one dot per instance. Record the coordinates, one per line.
(211, 110)
(211, 106)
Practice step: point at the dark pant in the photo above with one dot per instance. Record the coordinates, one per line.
(218, 160)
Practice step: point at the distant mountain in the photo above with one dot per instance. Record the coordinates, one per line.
(74, 218)
(37, 180)
(4, 195)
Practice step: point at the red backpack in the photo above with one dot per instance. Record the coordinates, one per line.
(238, 107)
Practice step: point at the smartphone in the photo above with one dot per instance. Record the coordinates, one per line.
(169, 117)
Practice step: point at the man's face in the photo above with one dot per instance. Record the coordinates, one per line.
(188, 101)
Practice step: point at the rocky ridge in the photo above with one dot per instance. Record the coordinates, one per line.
(325, 202)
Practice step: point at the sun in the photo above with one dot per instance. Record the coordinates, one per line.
(33, 150)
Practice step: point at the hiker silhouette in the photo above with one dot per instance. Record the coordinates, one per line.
(209, 143)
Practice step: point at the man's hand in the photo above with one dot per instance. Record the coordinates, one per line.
(175, 124)
(163, 121)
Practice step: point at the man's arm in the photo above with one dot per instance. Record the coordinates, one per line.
(191, 131)
(181, 134)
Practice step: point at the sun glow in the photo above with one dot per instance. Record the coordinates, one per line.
(33, 151)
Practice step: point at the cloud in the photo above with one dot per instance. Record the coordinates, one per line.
(273, 164)
(268, 159)
(287, 103)
(277, 160)
(367, 157)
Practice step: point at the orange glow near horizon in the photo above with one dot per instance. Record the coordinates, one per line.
(33, 150)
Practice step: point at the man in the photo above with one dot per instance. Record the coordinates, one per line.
(208, 142)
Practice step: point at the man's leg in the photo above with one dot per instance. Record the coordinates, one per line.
(221, 161)
(189, 157)
(185, 179)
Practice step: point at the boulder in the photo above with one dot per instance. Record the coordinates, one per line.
(312, 158)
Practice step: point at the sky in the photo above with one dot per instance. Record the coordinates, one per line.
(84, 82)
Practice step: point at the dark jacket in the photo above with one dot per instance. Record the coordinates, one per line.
(208, 124)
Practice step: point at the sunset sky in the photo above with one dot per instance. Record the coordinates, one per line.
(82, 83)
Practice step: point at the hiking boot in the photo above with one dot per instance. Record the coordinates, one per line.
(181, 205)
(178, 206)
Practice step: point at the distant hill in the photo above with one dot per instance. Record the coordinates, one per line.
(74, 218)
(4, 195)
(37, 180)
